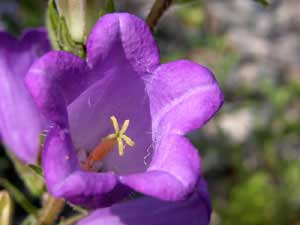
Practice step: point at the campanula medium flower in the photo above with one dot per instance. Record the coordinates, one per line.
(20, 121)
(195, 210)
(119, 118)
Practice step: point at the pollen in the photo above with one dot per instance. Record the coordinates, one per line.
(109, 142)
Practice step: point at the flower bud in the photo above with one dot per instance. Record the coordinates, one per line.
(80, 16)
(5, 208)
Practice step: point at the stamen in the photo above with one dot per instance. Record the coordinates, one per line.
(120, 147)
(119, 135)
(128, 140)
(108, 143)
(124, 127)
(115, 123)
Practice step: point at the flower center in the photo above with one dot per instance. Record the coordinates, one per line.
(109, 142)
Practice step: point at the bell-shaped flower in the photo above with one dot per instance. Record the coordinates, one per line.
(119, 118)
(195, 210)
(20, 121)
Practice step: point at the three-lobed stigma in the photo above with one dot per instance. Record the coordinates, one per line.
(108, 143)
(119, 135)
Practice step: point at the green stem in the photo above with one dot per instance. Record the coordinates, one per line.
(50, 211)
(157, 10)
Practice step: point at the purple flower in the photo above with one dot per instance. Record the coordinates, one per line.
(195, 210)
(20, 121)
(121, 96)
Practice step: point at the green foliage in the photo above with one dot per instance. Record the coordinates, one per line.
(18, 196)
(263, 2)
(253, 202)
(291, 184)
(33, 181)
(37, 169)
(110, 6)
(31, 13)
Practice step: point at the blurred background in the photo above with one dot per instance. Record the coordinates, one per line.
(251, 150)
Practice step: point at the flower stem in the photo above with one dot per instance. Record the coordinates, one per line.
(157, 10)
(50, 211)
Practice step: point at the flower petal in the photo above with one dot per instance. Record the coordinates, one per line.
(183, 96)
(20, 121)
(190, 97)
(195, 210)
(172, 173)
(125, 34)
(62, 174)
(54, 81)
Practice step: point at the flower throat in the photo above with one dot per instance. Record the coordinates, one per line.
(109, 142)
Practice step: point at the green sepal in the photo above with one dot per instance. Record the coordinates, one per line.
(37, 169)
(33, 181)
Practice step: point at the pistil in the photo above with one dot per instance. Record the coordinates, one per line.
(109, 142)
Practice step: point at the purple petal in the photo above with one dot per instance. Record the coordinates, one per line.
(65, 179)
(195, 210)
(125, 34)
(190, 97)
(173, 171)
(54, 81)
(183, 96)
(20, 121)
